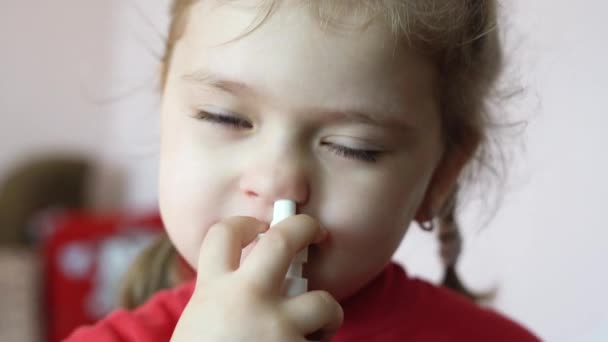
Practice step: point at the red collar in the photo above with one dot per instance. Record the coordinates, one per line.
(378, 304)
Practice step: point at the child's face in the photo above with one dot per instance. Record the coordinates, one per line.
(296, 94)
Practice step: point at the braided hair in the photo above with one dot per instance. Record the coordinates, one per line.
(450, 239)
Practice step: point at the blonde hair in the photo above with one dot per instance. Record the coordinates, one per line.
(461, 38)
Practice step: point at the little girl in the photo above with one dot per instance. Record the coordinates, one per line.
(364, 113)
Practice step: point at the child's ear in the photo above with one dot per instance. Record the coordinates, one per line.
(443, 182)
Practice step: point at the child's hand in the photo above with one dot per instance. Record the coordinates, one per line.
(244, 303)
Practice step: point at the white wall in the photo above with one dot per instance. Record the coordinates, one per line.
(545, 248)
(42, 58)
(76, 76)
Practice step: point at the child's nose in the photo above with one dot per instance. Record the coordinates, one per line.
(284, 178)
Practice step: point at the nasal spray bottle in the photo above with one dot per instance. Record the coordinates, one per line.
(294, 283)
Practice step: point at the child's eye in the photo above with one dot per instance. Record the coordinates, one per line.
(236, 123)
(232, 121)
(351, 153)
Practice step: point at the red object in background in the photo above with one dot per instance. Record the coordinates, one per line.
(83, 257)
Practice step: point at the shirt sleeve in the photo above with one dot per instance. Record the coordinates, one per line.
(153, 321)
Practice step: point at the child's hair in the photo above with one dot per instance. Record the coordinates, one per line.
(461, 38)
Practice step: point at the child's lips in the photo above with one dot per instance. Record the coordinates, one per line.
(262, 216)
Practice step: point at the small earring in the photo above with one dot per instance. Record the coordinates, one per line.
(427, 226)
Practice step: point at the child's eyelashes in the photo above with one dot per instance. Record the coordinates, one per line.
(233, 122)
(225, 120)
(352, 153)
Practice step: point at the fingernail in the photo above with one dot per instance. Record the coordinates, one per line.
(322, 236)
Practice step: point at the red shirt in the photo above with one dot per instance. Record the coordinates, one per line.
(393, 307)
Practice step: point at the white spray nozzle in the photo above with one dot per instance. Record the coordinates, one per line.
(282, 210)
(294, 284)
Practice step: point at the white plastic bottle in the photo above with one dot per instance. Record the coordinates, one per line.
(294, 284)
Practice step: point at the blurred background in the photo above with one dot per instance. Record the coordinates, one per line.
(78, 163)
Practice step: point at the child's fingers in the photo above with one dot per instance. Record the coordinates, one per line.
(315, 312)
(268, 262)
(221, 249)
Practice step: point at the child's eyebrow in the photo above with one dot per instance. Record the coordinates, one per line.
(238, 88)
(230, 86)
